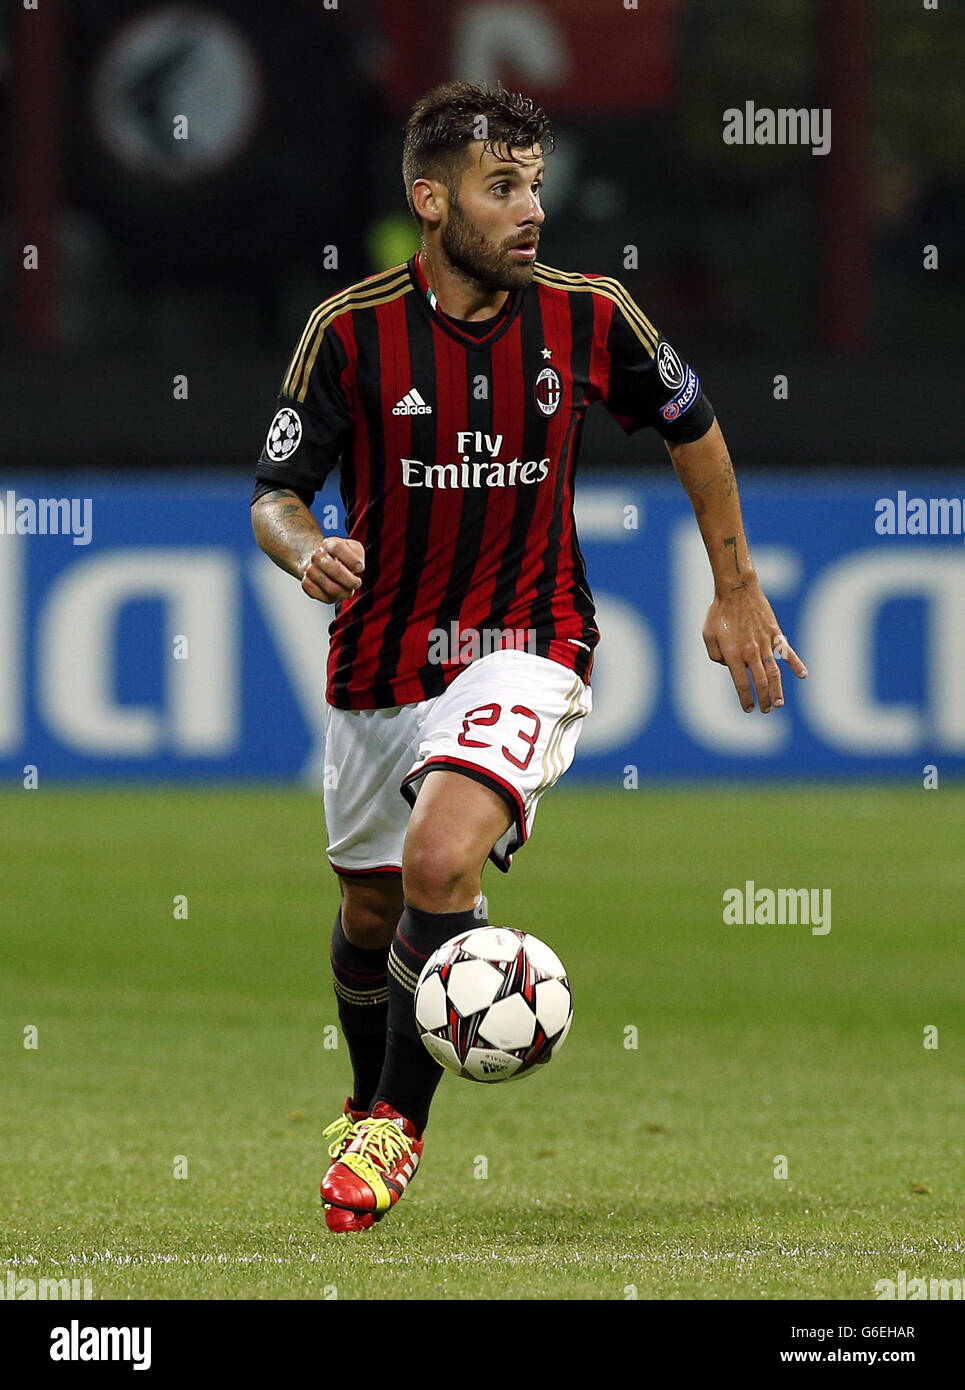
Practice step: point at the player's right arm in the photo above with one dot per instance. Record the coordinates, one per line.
(329, 567)
(311, 430)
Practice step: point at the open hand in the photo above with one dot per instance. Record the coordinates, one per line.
(742, 633)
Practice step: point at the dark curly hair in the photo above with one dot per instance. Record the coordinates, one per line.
(445, 121)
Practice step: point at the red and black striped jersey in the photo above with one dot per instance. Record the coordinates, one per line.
(457, 446)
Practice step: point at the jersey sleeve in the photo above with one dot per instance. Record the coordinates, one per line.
(645, 381)
(313, 422)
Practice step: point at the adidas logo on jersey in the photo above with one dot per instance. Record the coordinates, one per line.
(411, 404)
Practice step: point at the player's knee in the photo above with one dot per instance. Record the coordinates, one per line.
(370, 915)
(368, 929)
(437, 870)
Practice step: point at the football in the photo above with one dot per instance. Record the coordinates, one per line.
(493, 1004)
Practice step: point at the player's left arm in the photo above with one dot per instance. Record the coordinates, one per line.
(741, 631)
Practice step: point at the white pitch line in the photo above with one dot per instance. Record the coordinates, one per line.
(149, 1258)
(457, 1257)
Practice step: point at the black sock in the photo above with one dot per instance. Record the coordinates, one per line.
(363, 1006)
(410, 1075)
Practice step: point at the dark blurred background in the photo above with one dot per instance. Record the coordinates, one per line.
(160, 256)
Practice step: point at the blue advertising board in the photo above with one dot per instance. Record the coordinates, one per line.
(149, 639)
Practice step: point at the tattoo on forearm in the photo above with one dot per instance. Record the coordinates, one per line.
(732, 541)
(724, 483)
(285, 528)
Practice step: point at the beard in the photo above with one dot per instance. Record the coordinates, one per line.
(478, 260)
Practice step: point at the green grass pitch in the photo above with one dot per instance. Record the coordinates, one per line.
(622, 1171)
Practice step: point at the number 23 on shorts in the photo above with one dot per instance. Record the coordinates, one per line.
(485, 716)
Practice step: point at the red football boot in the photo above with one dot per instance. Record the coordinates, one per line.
(340, 1221)
(373, 1171)
(342, 1132)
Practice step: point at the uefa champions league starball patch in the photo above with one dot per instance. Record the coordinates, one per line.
(670, 367)
(284, 435)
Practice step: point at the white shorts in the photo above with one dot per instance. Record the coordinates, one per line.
(511, 720)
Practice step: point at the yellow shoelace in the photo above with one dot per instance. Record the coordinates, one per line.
(383, 1142)
(340, 1131)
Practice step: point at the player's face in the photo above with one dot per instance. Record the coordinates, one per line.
(493, 226)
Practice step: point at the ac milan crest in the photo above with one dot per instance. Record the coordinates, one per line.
(549, 391)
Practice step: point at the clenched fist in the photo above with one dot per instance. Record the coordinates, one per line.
(334, 569)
